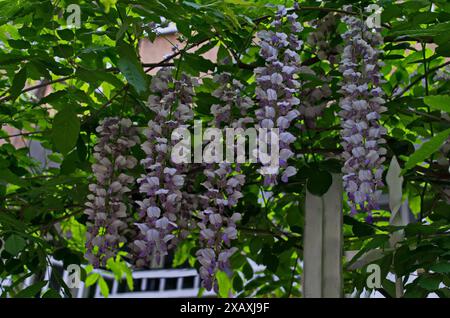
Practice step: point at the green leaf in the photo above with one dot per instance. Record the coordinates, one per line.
(378, 241)
(195, 64)
(319, 182)
(120, 267)
(192, 5)
(104, 289)
(115, 268)
(443, 292)
(444, 44)
(15, 244)
(271, 261)
(92, 279)
(426, 149)
(238, 284)
(61, 282)
(98, 76)
(18, 83)
(443, 268)
(429, 282)
(128, 276)
(242, 2)
(182, 253)
(225, 286)
(247, 270)
(66, 127)
(65, 34)
(108, 4)
(63, 50)
(223, 56)
(403, 259)
(362, 229)
(131, 68)
(31, 291)
(413, 291)
(51, 293)
(19, 44)
(443, 49)
(9, 177)
(438, 102)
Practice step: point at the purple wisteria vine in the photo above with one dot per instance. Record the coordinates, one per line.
(361, 108)
(323, 37)
(170, 208)
(223, 187)
(108, 207)
(277, 86)
(159, 212)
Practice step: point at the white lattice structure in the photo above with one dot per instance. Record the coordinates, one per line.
(157, 283)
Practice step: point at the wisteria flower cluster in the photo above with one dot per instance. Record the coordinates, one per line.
(170, 208)
(442, 74)
(217, 230)
(107, 208)
(322, 37)
(223, 185)
(277, 86)
(230, 92)
(159, 212)
(361, 106)
(313, 98)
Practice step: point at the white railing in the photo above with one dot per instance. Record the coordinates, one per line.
(157, 283)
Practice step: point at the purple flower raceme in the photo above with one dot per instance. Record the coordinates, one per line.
(162, 186)
(223, 185)
(442, 74)
(107, 206)
(217, 229)
(277, 86)
(313, 98)
(323, 36)
(361, 107)
(230, 93)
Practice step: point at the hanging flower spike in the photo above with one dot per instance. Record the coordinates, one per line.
(361, 108)
(161, 210)
(322, 36)
(313, 100)
(107, 208)
(223, 186)
(277, 84)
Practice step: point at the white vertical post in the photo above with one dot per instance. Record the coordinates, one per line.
(323, 243)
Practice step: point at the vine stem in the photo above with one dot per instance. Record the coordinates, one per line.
(43, 84)
(429, 71)
(293, 276)
(65, 78)
(106, 104)
(22, 134)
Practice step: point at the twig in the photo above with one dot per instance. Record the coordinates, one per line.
(43, 84)
(106, 104)
(293, 276)
(22, 134)
(57, 220)
(432, 70)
